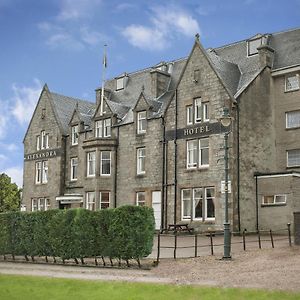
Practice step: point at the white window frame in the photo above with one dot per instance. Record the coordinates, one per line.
(200, 160)
(192, 154)
(104, 202)
(274, 199)
(185, 217)
(99, 128)
(198, 110)
(205, 111)
(292, 123)
(74, 168)
(38, 172)
(141, 120)
(120, 83)
(255, 52)
(90, 205)
(34, 204)
(213, 199)
(90, 159)
(191, 201)
(43, 134)
(288, 152)
(74, 135)
(38, 203)
(189, 115)
(138, 201)
(45, 171)
(38, 142)
(141, 160)
(105, 159)
(107, 127)
(290, 89)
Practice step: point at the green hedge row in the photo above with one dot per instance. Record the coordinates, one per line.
(124, 233)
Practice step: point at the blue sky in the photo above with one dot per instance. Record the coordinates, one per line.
(60, 42)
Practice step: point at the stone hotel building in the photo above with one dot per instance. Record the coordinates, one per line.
(156, 139)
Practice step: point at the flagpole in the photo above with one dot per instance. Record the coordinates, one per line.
(104, 64)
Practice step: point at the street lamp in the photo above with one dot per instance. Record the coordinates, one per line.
(226, 122)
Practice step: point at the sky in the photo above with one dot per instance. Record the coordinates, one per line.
(60, 42)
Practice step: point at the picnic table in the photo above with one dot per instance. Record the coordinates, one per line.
(178, 227)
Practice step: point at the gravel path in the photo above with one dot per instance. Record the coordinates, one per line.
(277, 269)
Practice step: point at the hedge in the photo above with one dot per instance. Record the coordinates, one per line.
(123, 233)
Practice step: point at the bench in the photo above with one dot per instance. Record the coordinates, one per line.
(179, 228)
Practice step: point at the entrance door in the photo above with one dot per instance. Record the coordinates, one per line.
(156, 205)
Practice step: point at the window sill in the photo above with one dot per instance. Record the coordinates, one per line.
(105, 175)
(292, 128)
(292, 167)
(273, 204)
(197, 169)
(293, 90)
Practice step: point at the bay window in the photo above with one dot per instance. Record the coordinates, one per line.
(104, 199)
(90, 201)
(105, 167)
(91, 164)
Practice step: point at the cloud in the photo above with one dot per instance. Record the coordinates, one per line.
(16, 175)
(4, 118)
(126, 6)
(9, 147)
(167, 23)
(70, 37)
(76, 9)
(25, 99)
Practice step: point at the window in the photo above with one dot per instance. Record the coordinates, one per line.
(292, 83)
(74, 136)
(141, 122)
(38, 142)
(189, 115)
(44, 171)
(198, 204)
(90, 200)
(293, 158)
(293, 119)
(107, 127)
(140, 199)
(74, 167)
(43, 138)
(197, 153)
(40, 204)
(104, 200)
(198, 110)
(105, 163)
(274, 199)
(120, 83)
(38, 172)
(141, 156)
(192, 149)
(253, 45)
(98, 128)
(91, 164)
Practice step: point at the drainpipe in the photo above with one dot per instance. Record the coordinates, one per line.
(163, 173)
(256, 200)
(116, 167)
(238, 167)
(175, 157)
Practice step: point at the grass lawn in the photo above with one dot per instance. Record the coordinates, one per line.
(28, 287)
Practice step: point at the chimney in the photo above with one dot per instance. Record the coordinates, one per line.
(160, 78)
(98, 95)
(266, 55)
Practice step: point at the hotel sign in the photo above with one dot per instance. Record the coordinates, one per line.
(43, 154)
(196, 131)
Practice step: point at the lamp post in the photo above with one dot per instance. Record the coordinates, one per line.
(226, 122)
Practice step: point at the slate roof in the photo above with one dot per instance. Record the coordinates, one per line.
(231, 63)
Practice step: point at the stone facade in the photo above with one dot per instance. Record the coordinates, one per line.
(157, 140)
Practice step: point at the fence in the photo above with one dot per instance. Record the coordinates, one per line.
(211, 241)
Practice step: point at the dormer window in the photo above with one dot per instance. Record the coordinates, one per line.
(141, 122)
(74, 135)
(120, 83)
(107, 127)
(254, 43)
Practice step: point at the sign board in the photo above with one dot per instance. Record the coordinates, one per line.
(223, 187)
(43, 154)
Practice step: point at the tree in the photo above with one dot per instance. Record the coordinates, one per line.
(10, 194)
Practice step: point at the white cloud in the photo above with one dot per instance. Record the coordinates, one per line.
(75, 9)
(167, 23)
(90, 37)
(16, 175)
(125, 6)
(25, 99)
(9, 147)
(4, 118)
